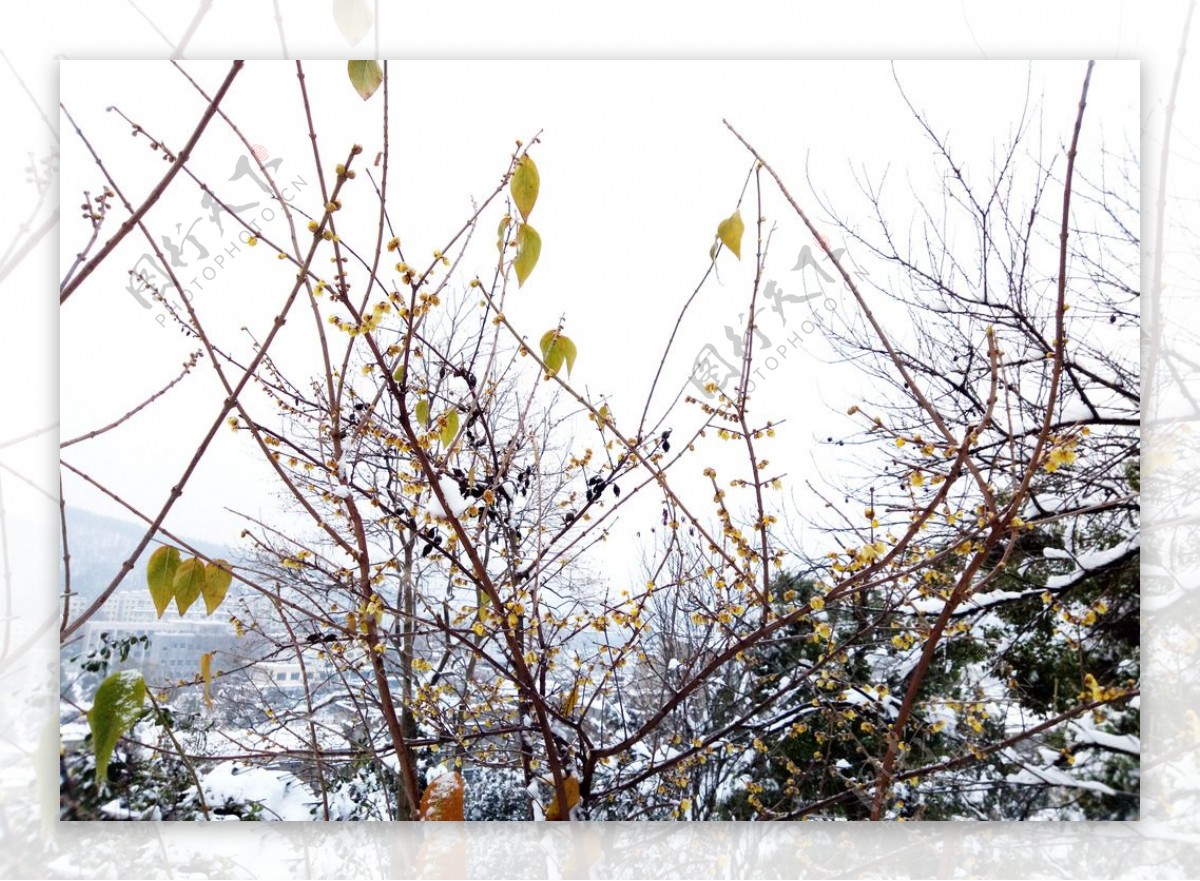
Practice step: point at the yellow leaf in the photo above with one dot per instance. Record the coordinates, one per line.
(524, 185)
(450, 429)
(529, 248)
(188, 584)
(423, 412)
(206, 675)
(217, 578)
(443, 798)
(160, 576)
(483, 603)
(365, 76)
(730, 230)
(556, 349)
(571, 699)
(571, 786)
(500, 230)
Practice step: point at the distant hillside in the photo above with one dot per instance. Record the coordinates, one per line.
(100, 544)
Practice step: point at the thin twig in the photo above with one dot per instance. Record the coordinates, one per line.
(180, 160)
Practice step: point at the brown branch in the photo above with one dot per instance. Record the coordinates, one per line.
(228, 405)
(885, 340)
(965, 587)
(962, 591)
(155, 194)
(66, 556)
(187, 368)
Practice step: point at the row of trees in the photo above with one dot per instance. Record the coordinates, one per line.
(967, 647)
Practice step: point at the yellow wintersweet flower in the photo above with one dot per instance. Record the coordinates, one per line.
(1060, 456)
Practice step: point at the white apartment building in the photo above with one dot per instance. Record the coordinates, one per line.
(175, 644)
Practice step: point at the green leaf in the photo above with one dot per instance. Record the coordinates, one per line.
(116, 708)
(556, 349)
(730, 230)
(189, 584)
(160, 576)
(353, 19)
(450, 429)
(500, 230)
(524, 186)
(365, 76)
(217, 577)
(529, 248)
(398, 373)
(423, 412)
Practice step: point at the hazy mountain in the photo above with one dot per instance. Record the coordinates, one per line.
(100, 544)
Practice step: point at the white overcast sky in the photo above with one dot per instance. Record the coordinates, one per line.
(637, 170)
